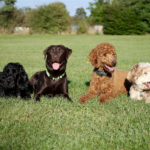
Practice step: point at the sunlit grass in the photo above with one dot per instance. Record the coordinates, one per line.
(56, 123)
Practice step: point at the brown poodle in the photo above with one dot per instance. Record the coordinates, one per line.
(106, 81)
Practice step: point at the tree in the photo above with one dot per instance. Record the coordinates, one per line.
(140, 8)
(97, 10)
(80, 13)
(7, 5)
(52, 18)
(9, 15)
(120, 20)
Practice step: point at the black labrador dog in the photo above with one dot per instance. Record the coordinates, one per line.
(13, 81)
(52, 81)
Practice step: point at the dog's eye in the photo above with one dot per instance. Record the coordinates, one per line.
(104, 54)
(52, 51)
(7, 70)
(145, 72)
(114, 54)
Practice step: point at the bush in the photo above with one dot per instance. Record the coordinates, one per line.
(119, 20)
(52, 18)
(9, 20)
(82, 28)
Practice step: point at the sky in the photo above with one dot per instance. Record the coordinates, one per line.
(71, 5)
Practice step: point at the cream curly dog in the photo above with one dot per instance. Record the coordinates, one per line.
(139, 75)
(106, 81)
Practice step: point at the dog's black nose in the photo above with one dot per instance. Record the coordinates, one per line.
(114, 63)
(8, 81)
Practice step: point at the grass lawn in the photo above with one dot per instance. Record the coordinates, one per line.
(55, 123)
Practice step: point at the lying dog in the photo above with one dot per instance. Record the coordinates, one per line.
(139, 76)
(106, 81)
(13, 81)
(52, 81)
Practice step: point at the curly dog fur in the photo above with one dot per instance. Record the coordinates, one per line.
(139, 76)
(104, 58)
(13, 80)
(2, 87)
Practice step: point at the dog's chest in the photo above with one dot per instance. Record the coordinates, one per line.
(104, 83)
(55, 86)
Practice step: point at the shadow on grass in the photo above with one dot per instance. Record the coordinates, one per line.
(68, 81)
(87, 83)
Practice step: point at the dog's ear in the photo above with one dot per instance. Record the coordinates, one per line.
(6, 67)
(68, 52)
(131, 73)
(22, 79)
(45, 52)
(93, 57)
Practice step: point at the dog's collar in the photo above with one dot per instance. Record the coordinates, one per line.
(27, 89)
(100, 73)
(47, 73)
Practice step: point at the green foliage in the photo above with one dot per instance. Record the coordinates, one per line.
(122, 16)
(52, 18)
(142, 9)
(80, 19)
(8, 5)
(80, 13)
(119, 20)
(9, 20)
(82, 28)
(10, 17)
(97, 12)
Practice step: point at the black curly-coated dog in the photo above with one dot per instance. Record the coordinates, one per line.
(13, 80)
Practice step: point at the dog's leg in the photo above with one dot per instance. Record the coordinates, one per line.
(84, 98)
(107, 94)
(92, 92)
(37, 97)
(147, 100)
(25, 95)
(38, 94)
(106, 97)
(66, 96)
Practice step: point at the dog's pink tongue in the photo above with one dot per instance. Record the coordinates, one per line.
(55, 66)
(111, 69)
(148, 84)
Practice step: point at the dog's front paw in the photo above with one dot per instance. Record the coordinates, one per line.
(83, 99)
(103, 99)
(37, 98)
(147, 100)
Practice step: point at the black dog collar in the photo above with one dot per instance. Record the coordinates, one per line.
(100, 73)
(47, 73)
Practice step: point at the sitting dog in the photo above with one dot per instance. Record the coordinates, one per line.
(52, 81)
(106, 81)
(139, 76)
(13, 81)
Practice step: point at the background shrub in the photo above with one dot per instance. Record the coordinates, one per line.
(11, 19)
(82, 28)
(52, 18)
(119, 20)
